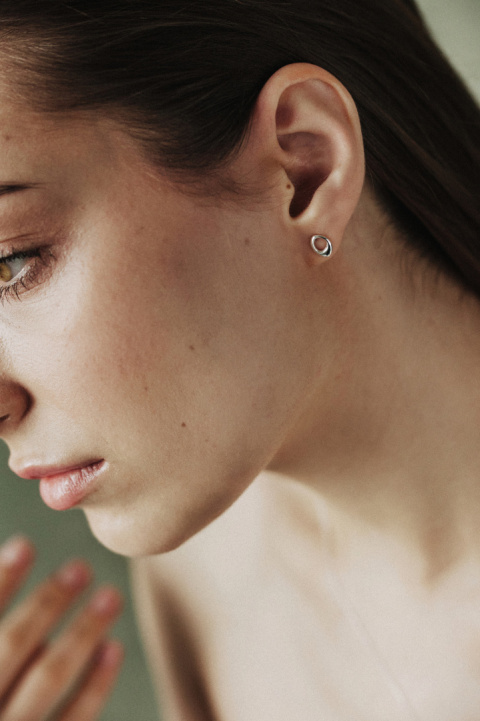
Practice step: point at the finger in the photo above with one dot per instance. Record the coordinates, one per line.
(64, 660)
(95, 689)
(24, 629)
(16, 558)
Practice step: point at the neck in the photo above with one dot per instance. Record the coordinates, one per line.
(389, 437)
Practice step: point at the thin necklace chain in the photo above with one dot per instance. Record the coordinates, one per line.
(345, 603)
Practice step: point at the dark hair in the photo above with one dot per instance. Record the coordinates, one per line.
(185, 76)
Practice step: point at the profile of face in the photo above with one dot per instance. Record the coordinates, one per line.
(166, 335)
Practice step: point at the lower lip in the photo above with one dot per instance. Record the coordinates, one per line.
(68, 489)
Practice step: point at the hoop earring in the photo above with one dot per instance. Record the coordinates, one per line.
(327, 251)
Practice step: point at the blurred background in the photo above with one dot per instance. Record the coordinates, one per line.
(456, 25)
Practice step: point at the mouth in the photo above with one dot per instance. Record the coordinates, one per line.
(62, 488)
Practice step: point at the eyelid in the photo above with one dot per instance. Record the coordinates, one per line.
(42, 259)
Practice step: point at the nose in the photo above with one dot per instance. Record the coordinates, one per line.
(14, 405)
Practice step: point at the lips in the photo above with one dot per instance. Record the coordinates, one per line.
(63, 487)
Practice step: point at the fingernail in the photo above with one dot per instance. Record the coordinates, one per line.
(106, 602)
(111, 654)
(15, 551)
(74, 575)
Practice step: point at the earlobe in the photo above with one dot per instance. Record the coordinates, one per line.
(320, 146)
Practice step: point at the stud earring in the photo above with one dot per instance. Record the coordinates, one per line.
(326, 252)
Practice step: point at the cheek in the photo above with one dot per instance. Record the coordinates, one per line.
(181, 335)
(173, 331)
(81, 343)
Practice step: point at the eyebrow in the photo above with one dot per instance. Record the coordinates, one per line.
(10, 188)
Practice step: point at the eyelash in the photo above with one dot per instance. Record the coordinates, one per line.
(30, 276)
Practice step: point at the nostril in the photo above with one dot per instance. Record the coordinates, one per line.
(15, 402)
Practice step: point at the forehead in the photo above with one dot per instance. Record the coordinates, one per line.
(42, 147)
(79, 165)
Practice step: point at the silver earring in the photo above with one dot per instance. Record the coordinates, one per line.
(327, 250)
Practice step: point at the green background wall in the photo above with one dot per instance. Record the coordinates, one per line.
(59, 536)
(62, 535)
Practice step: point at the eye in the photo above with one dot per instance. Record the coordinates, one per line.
(12, 265)
(22, 270)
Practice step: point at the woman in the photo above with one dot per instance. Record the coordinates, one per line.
(240, 243)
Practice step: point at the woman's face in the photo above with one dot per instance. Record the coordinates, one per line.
(162, 334)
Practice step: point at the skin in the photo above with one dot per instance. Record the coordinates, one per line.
(36, 672)
(195, 343)
(149, 285)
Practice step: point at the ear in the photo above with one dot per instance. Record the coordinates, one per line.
(306, 130)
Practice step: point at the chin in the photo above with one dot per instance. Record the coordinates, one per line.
(153, 524)
(132, 536)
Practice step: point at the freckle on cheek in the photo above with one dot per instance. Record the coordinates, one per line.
(192, 347)
(184, 425)
(247, 241)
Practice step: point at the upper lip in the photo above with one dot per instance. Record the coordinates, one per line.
(32, 471)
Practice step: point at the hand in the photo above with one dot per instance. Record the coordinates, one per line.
(75, 672)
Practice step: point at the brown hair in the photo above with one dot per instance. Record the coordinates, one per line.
(185, 76)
